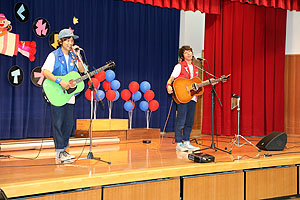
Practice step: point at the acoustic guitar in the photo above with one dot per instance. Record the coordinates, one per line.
(185, 89)
(59, 96)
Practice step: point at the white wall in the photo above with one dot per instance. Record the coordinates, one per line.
(192, 31)
(192, 26)
(292, 33)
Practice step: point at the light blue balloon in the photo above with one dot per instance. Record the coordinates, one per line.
(136, 96)
(101, 94)
(117, 95)
(110, 75)
(115, 84)
(144, 105)
(144, 86)
(128, 106)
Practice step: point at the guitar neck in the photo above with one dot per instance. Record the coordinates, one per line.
(82, 78)
(207, 83)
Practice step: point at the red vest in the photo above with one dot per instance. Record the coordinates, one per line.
(185, 71)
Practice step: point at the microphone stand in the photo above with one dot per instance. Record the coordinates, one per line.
(92, 88)
(213, 93)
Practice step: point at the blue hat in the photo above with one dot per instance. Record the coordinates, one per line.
(66, 33)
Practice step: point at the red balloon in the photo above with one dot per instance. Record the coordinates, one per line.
(95, 81)
(134, 86)
(87, 94)
(125, 95)
(106, 85)
(149, 95)
(153, 105)
(132, 104)
(100, 76)
(111, 95)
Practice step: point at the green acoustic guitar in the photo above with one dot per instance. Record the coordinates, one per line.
(59, 96)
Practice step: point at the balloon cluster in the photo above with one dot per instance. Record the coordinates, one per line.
(136, 95)
(109, 85)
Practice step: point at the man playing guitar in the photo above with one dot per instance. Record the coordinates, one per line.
(185, 111)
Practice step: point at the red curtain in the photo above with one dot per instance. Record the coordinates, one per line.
(284, 4)
(205, 6)
(248, 42)
(213, 6)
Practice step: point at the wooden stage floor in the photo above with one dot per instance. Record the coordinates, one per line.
(130, 161)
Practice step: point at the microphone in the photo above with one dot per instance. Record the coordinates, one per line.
(77, 48)
(200, 59)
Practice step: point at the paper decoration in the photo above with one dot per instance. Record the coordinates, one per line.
(10, 44)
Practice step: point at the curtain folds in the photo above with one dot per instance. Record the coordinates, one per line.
(205, 6)
(213, 6)
(247, 42)
(283, 4)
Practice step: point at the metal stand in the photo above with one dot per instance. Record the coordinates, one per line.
(236, 140)
(90, 154)
(213, 93)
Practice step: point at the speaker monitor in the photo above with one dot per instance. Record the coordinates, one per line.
(275, 141)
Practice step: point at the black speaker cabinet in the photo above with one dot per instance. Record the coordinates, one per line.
(275, 141)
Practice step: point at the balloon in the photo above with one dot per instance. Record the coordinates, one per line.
(128, 106)
(117, 96)
(144, 105)
(132, 104)
(106, 85)
(144, 86)
(149, 95)
(87, 94)
(153, 105)
(110, 75)
(134, 86)
(125, 95)
(110, 95)
(101, 94)
(115, 84)
(95, 82)
(100, 76)
(137, 96)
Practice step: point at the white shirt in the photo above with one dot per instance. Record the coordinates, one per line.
(176, 73)
(49, 65)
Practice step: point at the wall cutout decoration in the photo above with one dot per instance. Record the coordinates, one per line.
(41, 27)
(15, 75)
(21, 12)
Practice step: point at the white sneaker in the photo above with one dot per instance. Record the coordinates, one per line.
(181, 147)
(190, 147)
(63, 156)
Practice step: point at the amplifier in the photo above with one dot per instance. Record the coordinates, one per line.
(201, 157)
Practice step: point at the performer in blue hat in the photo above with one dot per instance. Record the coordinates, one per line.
(59, 63)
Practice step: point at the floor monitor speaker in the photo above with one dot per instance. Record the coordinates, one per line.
(275, 141)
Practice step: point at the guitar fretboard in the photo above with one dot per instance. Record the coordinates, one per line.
(82, 78)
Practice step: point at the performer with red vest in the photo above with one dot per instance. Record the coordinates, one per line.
(185, 111)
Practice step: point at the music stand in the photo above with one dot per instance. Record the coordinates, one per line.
(235, 102)
(213, 93)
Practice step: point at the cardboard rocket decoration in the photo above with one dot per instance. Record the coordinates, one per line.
(10, 44)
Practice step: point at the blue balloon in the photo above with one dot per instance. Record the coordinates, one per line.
(117, 95)
(144, 105)
(128, 106)
(101, 94)
(136, 96)
(110, 75)
(144, 86)
(115, 84)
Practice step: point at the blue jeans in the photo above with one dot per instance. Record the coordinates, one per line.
(62, 122)
(184, 121)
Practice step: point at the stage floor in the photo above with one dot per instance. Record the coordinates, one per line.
(29, 172)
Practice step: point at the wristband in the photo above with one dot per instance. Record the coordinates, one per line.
(168, 84)
(78, 59)
(58, 80)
